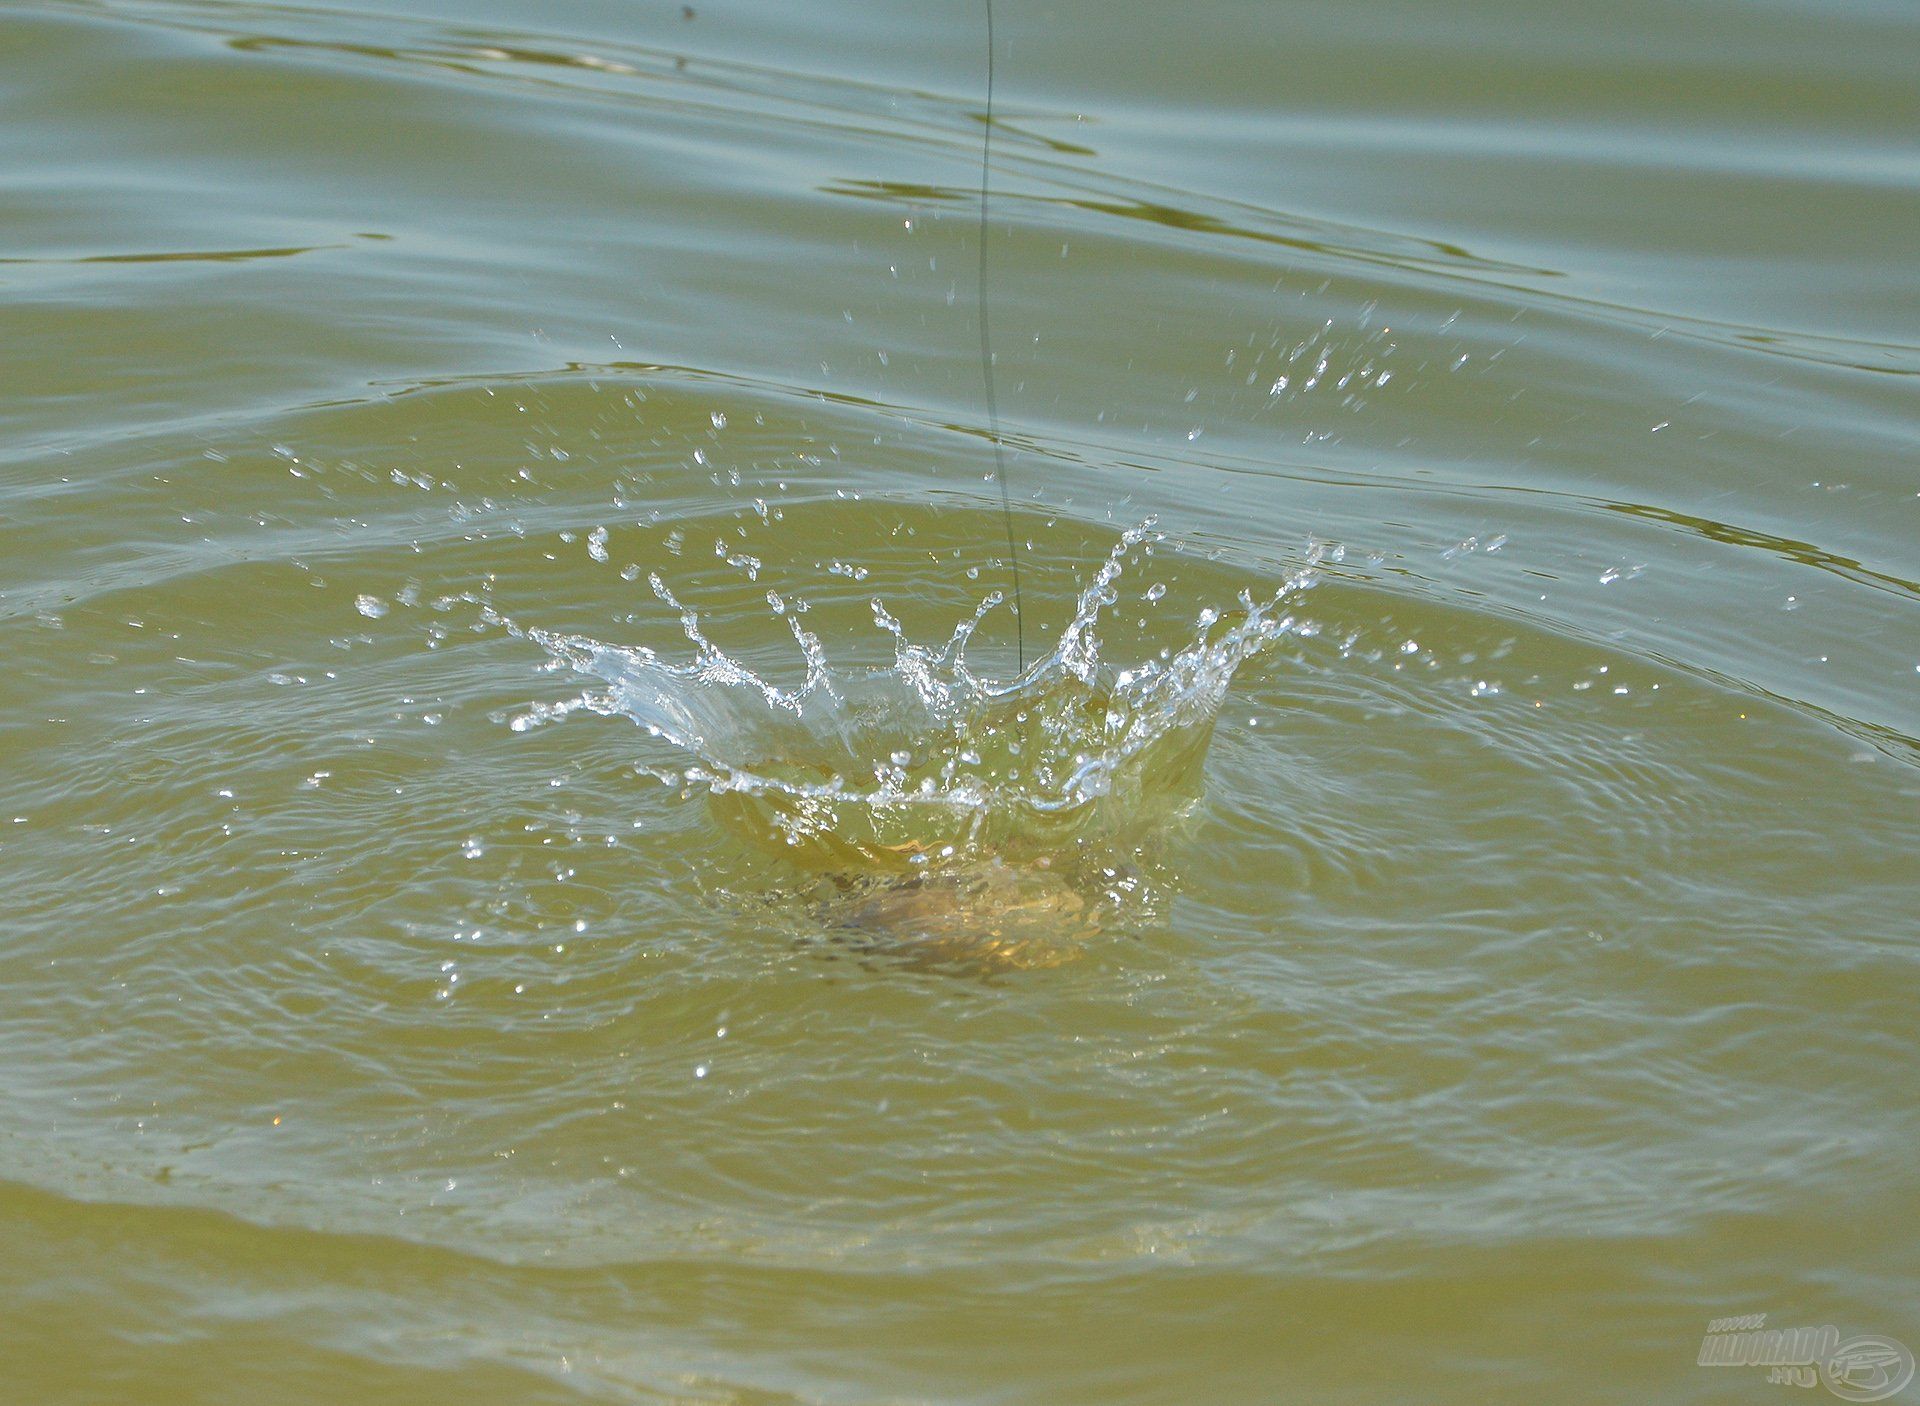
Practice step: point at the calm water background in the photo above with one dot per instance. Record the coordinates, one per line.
(1542, 973)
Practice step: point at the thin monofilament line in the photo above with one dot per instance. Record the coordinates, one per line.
(986, 361)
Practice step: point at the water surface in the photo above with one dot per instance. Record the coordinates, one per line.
(1525, 978)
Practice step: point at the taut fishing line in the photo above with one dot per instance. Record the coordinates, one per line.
(986, 360)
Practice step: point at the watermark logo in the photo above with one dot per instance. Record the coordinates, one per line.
(1869, 1368)
(1863, 1368)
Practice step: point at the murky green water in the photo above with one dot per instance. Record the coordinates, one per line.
(1526, 977)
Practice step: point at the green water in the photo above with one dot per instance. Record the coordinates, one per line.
(1533, 980)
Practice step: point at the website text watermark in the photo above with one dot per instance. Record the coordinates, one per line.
(1865, 1367)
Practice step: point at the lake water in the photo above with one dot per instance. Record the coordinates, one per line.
(1525, 977)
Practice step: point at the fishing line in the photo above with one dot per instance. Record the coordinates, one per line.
(986, 360)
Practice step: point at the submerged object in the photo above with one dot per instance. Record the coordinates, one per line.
(986, 916)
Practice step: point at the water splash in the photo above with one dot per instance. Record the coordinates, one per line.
(926, 763)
